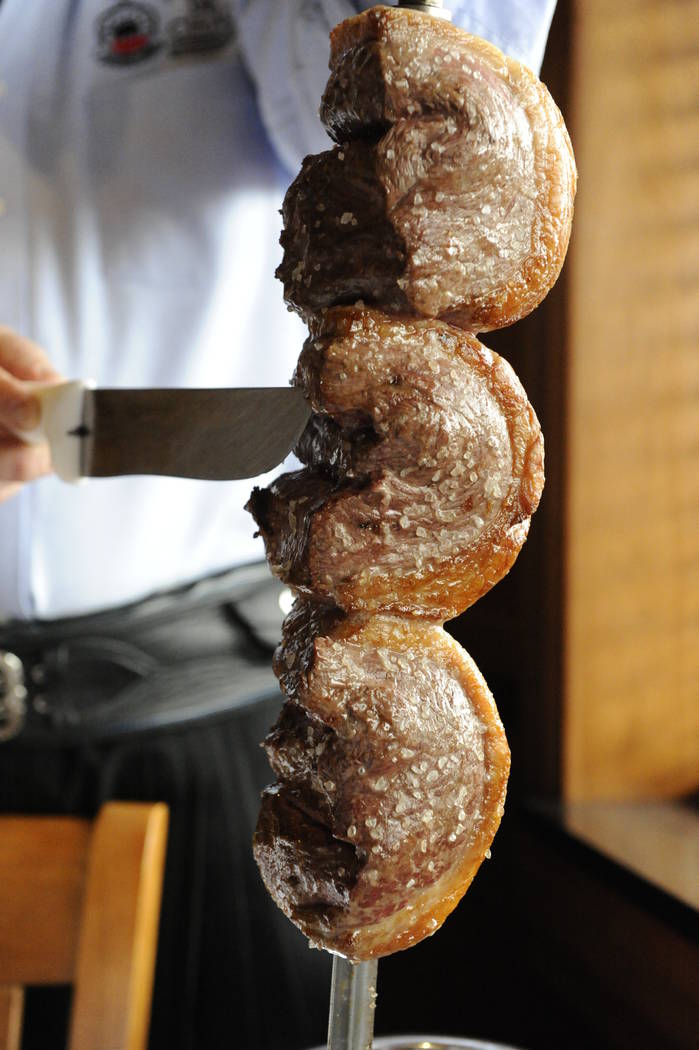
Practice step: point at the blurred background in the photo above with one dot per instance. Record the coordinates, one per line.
(582, 930)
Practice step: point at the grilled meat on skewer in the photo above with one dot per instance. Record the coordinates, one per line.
(426, 463)
(446, 209)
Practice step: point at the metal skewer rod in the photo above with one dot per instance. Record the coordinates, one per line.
(352, 1004)
(353, 989)
(428, 7)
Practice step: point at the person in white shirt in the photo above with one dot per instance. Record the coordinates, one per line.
(145, 146)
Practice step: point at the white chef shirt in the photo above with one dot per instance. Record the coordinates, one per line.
(142, 166)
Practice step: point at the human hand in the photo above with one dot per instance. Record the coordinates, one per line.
(21, 363)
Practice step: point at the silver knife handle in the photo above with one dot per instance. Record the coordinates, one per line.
(62, 408)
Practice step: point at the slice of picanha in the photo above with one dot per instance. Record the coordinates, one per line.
(451, 192)
(426, 464)
(392, 767)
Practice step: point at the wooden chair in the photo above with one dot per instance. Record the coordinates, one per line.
(79, 904)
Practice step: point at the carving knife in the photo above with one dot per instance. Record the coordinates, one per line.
(216, 435)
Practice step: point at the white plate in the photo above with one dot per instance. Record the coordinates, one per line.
(432, 1042)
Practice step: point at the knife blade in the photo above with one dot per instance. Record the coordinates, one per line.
(216, 434)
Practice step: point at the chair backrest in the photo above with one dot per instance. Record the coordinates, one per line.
(80, 904)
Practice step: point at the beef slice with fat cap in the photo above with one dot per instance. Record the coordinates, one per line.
(451, 193)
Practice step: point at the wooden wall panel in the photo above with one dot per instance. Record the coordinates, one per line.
(631, 723)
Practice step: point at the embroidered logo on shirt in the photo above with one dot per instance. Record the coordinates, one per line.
(205, 27)
(127, 32)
